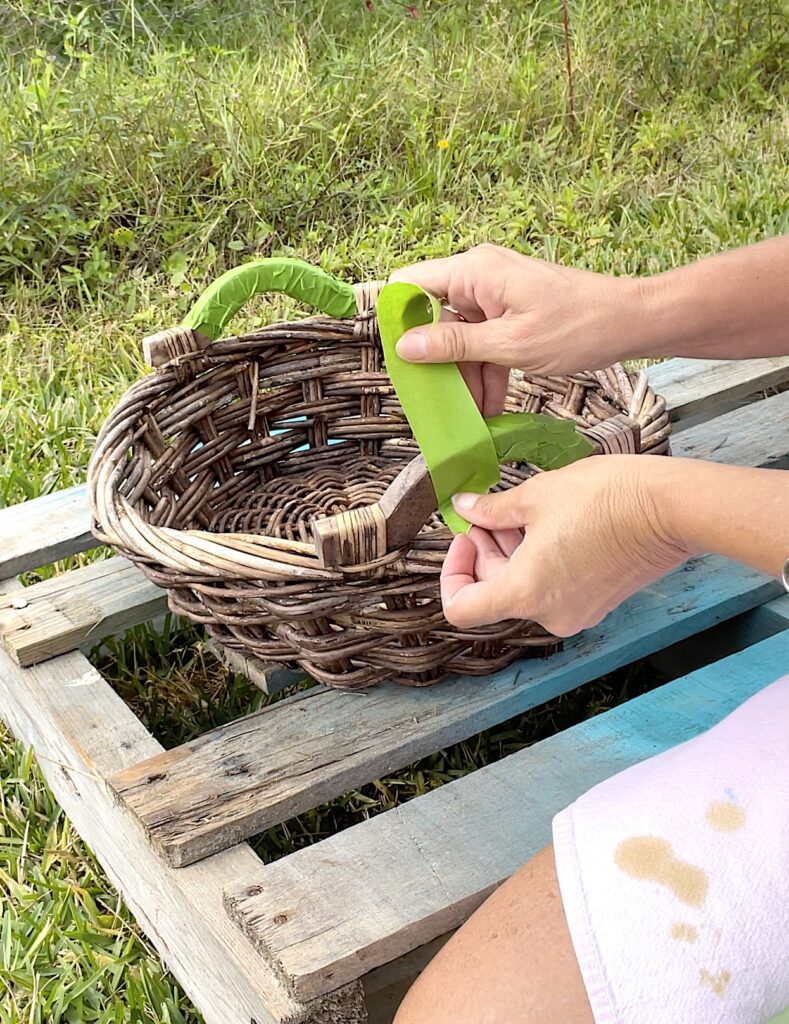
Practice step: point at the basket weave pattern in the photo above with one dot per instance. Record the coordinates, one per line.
(210, 471)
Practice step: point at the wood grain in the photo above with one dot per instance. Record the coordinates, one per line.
(81, 731)
(268, 678)
(755, 435)
(332, 912)
(262, 769)
(705, 387)
(77, 608)
(43, 530)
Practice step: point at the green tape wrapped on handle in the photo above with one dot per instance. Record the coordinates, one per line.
(543, 441)
(220, 302)
(461, 449)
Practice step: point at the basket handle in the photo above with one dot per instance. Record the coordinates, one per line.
(222, 299)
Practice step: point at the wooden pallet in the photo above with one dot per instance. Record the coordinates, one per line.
(335, 932)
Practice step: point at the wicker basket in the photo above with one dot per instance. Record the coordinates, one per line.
(210, 471)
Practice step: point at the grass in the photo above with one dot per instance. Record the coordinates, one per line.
(149, 145)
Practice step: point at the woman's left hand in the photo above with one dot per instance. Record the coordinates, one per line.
(562, 549)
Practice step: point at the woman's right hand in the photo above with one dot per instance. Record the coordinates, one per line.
(523, 312)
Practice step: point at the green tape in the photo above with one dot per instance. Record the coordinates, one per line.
(446, 422)
(543, 441)
(462, 450)
(222, 300)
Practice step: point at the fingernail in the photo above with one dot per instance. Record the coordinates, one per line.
(464, 502)
(413, 346)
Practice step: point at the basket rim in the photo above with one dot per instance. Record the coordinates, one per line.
(244, 556)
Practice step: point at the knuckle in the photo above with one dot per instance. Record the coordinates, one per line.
(402, 274)
(453, 343)
(485, 504)
(490, 253)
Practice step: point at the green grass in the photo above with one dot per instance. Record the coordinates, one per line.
(147, 146)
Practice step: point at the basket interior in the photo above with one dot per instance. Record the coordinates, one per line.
(267, 439)
(266, 432)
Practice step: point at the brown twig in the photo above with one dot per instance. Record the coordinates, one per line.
(570, 92)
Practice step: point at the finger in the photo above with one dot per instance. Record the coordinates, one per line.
(466, 601)
(472, 374)
(508, 540)
(446, 279)
(458, 568)
(491, 341)
(495, 383)
(504, 510)
(490, 560)
(468, 604)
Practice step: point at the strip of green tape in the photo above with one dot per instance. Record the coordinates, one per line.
(446, 422)
(222, 300)
(540, 440)
(462, 450)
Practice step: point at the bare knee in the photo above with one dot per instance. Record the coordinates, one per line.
(511, 963)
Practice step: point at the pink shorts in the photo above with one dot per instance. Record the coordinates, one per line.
(675, 877)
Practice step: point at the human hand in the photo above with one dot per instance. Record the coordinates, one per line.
(564, 548)
(521, 312)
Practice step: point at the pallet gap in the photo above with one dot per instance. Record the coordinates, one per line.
(167, 673)
(446, 765)
(721, 640)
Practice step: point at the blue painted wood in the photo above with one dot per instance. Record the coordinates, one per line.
(43, 530)
(419, 870)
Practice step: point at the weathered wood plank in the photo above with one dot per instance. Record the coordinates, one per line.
(72, 611)
(755, 435)
(269, 678)
(693, 387)
(772, 616)
(82, 731)
(78, 607)
(334, 911)
(246, 776)
(43, 530)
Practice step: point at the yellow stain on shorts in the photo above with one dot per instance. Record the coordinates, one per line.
(717, 982)
(725, 816)
(650, 859)
(684, 932)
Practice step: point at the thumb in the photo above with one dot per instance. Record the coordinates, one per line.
(504, 510)
(459, 342)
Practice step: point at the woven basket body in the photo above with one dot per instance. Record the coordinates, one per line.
(210, 471)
